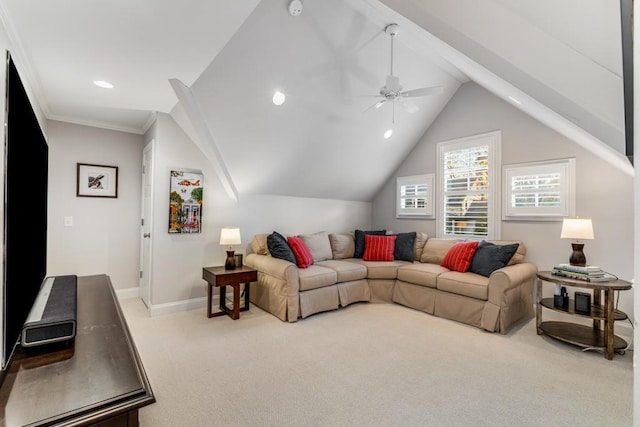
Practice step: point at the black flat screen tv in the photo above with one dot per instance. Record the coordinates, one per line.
(24, 261)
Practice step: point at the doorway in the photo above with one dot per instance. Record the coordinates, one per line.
(146, 223)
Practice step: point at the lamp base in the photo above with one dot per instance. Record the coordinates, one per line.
(230, 263)
(577, 256)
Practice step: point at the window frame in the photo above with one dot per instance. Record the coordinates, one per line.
(494, 141)
(428, 211)
(567, 169)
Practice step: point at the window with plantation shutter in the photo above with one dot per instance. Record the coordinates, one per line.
(469, 186)
(539, 190)
(414, 196)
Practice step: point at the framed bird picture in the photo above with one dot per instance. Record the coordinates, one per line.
(97, 181)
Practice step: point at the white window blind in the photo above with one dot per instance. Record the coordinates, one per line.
(539, 190)
(414, 196)
(469, 186)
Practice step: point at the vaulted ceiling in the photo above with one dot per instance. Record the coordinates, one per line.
(223, 60)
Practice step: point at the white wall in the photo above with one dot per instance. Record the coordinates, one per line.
(178, 259)
(105, 235)
(604, 193)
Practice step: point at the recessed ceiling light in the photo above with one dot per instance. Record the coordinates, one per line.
(278, 98)
(103, 84)
(515, 101)
(388, 133)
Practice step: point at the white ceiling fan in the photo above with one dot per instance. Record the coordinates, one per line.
(392, 92)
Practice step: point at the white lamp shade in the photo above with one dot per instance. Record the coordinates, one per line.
(230, 236)
(576, 228)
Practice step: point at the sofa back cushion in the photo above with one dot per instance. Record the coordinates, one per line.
(418, 245)
(342, 245)
(318, 244)
(279, 248)
(259, 244)
(378, 248)
(435, 250)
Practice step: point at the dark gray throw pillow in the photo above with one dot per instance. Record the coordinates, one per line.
(490, 257)
(404, 246)
(359, 240)
(279, 248)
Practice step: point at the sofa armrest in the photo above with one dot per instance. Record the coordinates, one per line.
(285, 272)
(506, 278)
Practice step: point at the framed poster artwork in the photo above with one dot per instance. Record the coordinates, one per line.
(185, 202)
(96, 181)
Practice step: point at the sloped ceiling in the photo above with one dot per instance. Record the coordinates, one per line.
(567, 54)
(324, 141)
(561, 60)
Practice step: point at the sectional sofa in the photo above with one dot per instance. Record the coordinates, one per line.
(420, 278)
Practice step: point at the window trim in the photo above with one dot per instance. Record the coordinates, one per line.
(428, 211)
(567, 168)
(494, 141)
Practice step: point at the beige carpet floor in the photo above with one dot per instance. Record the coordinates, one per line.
(370, 365)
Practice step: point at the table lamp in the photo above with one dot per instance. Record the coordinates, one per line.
(578, 229)
(230, 236)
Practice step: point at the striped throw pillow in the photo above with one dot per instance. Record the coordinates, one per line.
(378, 248)
(459, 257)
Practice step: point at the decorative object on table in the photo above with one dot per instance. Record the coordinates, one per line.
(230, 236)
(577, 229)
(96, 181)
(185, 202)
(238, 260)
(561, 299)
(582, 302)
(588, 273)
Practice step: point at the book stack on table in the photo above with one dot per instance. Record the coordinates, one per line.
(589, 273)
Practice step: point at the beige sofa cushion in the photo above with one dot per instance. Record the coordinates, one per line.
(467, 284)
(435, 250)
(421, 274)
(318, 244)
(316, 276)
(259, 244)
(380, 269)
(520, 254)
(347, 271)
(342, 245)
(418, 245)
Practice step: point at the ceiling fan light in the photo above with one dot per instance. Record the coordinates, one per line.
(388, 133)
(278, 98)
(103, 84)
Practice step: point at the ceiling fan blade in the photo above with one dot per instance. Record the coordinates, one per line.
(408, 106)
(424, 91)
(376, 105)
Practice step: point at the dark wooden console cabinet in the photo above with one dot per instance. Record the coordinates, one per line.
(96, 380)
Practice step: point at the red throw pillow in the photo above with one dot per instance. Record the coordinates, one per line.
(378, 248)
(302, 253)
(459, 257)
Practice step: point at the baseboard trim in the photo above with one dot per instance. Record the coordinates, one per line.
(128, 293)
(178, 306)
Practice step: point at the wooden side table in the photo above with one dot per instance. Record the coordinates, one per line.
(221, 278)
(584, 336)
